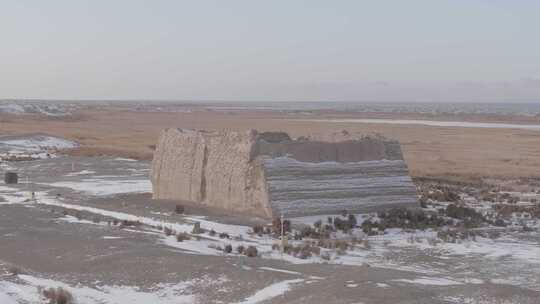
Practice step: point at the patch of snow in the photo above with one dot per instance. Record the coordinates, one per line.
(177, 293)
(74, 220)
(11, 108)
(102, 187)
(280, 270)
(488, 248)
(271, 291)
(473, 281)
(125, 159)
(433, 123)
(37, 143)
(18, 293)
(430, 281)
(13, 196)
(83, 172)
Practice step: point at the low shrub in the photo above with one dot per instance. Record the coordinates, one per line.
(309, 232)
(179, 209)
(470, 217)
(58, 296)
(128, 223)
(499, 223)
(227, 248)
(406, 219)
(333, 244)
(342, 245)
(344, 225)
(180, 237)
(251, 251)
(168, 231)
(276, 226)
(303, 251)
(224, 235)
(452, 236)
(240, 249)
(258, 229)
(211, 232)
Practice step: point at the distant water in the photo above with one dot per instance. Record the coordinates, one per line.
(527, 109)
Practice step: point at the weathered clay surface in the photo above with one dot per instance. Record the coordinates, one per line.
(212, 168)
(268, 174)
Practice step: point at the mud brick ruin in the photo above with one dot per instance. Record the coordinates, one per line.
(269, 174)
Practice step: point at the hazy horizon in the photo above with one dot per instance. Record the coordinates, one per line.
(282, 51)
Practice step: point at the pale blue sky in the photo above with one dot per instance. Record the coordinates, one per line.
(414, 50)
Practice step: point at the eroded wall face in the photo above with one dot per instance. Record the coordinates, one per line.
(345, 151)
(211, 169)
(306, 188)
(177, 166)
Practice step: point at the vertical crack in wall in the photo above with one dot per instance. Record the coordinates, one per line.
(203, 173)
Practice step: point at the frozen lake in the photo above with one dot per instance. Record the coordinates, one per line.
(433, 123)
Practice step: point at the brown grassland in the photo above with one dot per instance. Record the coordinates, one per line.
(441, 152)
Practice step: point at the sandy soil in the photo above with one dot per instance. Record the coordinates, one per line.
(430, 151)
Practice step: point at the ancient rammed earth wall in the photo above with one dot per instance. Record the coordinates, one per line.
(268, 174)
(212, 168)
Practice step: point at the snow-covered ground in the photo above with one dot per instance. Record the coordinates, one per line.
(32, 146)
(271, 291)
(432, 123)
(46, 108)
(28, 289)
(382, 252)
(103, 187)
(511, 260)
